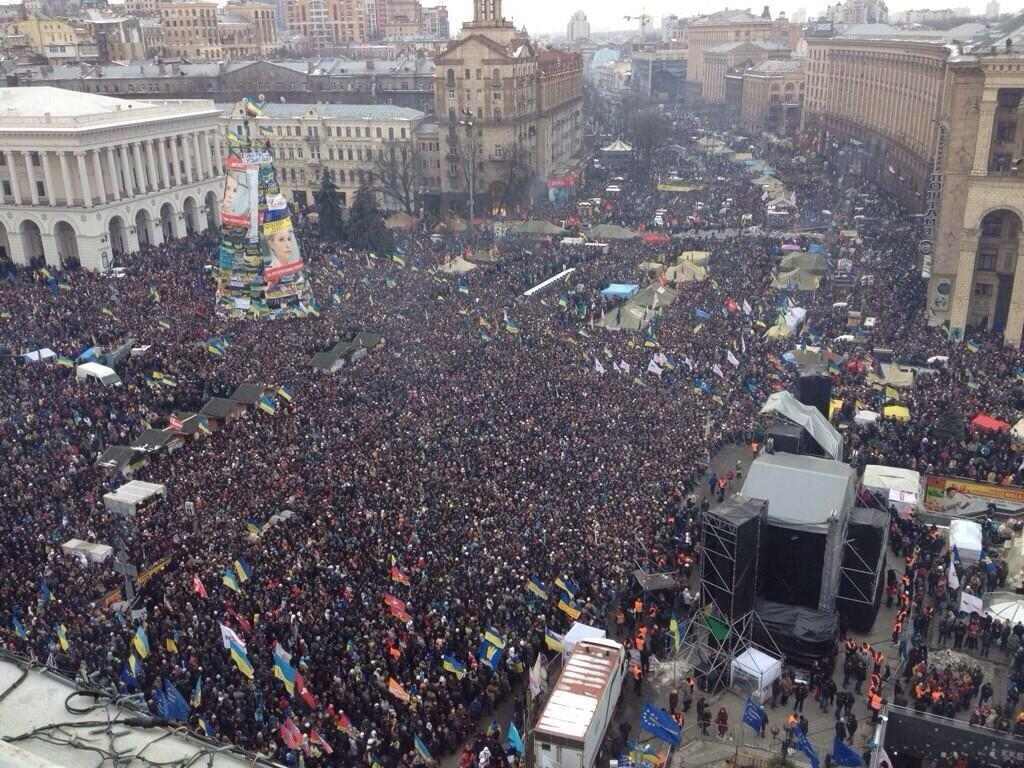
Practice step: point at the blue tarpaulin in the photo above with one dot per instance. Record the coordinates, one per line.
(815, 248)
(620, 291)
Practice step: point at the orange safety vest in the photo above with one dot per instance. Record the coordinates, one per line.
(876, 702)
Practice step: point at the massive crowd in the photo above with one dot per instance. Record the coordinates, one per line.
(491, 441)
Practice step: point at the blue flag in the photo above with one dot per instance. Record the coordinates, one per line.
(801, 743)
(176, 706)
(844, 755)
(513, 740)
(660, 724)
(754, 715)
(702, 314)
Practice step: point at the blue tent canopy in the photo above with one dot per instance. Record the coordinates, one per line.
(620, 291)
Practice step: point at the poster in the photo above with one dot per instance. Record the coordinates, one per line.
(281, 256)
(939, 491)
(241, 194)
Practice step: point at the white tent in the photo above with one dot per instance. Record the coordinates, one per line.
(579, 631)
(127, 499)
(1018, 431)
(865, 417)
(753, 671)
(101, 373)
(901, 488)
(965, 535)
(39, 355)
(808, 417)
(1007, 607)
(94, 553)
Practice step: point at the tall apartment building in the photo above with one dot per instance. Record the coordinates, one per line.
(404, 18)
(190, 29)
(328, 22)
(578, 29)
(942, 126)
(502, 107)
(859, 12)
(728, 27)
(435, 22)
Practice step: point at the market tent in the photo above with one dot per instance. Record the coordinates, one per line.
(784, 404)
(900, 488)
(39, 355)
(687, 273)
(620, 290)
(458, 266)
(808, 262)
(1007, 607)
(656, 238)
(617, 146)
(893, 376)
(797, 279)
(754, 671)
(126, 499)
(537, 228)
(984, 421)
(400, 220)
(655, 582)
(965, 535)
(896, 412)
(604, 232)
(863, 418)
(695, 257)
(579, 631)
(650, 266)
(1018, 431)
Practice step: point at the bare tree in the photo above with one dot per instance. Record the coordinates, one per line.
(398, 173)
(519, 177)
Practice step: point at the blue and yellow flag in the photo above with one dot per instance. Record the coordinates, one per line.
(135, 665)
(252, 527)
(569, 609)
(568, 586)
(283, 670)
(243, 569)
(553, 640)
(285, 394)
(230, 581)
(241, 659)
(62, 637)
(171, 645)
(44, 592)
(196, 699)
(267, 404)
(489, 655)
(494, 637)
(206, 727)
(453, 665)
(141, 642)
(536, 587)
(421, 749)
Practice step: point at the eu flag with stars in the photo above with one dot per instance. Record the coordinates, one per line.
(660, 724)
(844, 755)
(801, 743)
(754, 715)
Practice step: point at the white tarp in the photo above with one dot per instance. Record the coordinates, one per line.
(1018, 431)
(127, 498)
(1007, 607)
(101, 373)
(579, 631)
(39, 355)
(754, 671)
(965, 535)
(865, 417)
(900, 487)
(808, 417)
(92, 552)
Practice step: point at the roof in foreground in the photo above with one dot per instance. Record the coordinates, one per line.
(334, 111)
(729, 17)
(39, 701)
(57, 102)
(778, 67)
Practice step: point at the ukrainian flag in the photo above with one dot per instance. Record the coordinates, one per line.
(241, 659)
(492, 636)
(243, 569)
(267, 405)
(206, 728)
(421, 749)
(213, 349)
(568, 586)
(285, 394)
(553, 641)
(972, 346)
(197, 693)
(62, 637)
(511, 327)
(489, 655)
(141, 642)
(569, 609)
(44, 592)
(171, 645)
(65, 362)
(673, 628)
(253, 528)
(230, 581)
(134, 665)
(398, 260)
(536, 587)
(284, 672)
(453, 665)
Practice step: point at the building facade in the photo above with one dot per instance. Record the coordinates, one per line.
(506, 111)
(435, 22)
(660, 75)
(347, 142)
(718, 29)
(190, 30)
(744, 54)
(859, 12)
(940, 127)
(84, 177)
(578, 29)
(323, 23)
(54, 39)
(773, 96)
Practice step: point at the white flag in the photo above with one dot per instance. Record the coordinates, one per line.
(971, 604)
(732, 359)
(661, 359)
(718, 371)
(743, 344)
(538, 678)
(227, 634)
(597, 366)
(951, 578)
(616, 367)
(747, 309)
(624, 366)
(653, 367)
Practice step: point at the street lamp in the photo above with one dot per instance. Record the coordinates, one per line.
(469, 124)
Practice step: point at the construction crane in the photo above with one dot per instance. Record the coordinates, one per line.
(643, 18)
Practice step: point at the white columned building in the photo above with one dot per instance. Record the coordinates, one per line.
(85, 177)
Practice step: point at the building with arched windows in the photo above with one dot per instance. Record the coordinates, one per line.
(940, 124)
(85, 177)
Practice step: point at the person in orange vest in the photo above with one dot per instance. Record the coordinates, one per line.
(638, 678)
(875, 704)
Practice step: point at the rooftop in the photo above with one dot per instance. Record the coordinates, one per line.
(723, 18)
(764, 45)
(778, 67)
(333, 111)
(56, 102)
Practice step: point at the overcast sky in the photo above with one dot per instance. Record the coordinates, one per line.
(547, 16)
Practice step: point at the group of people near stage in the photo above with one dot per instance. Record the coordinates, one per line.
(458, 497)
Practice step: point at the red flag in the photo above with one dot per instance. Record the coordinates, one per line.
(175, 423)
(344, 724)
(395, 689)
(305, 694)
(290, 734)
(397, 575)
(401, 615)
(243, 622)
(197, 585)
(393, 602)
(316, 738)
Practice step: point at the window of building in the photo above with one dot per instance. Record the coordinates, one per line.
(391, 133)
(380, 133)
(348, 132)
(7, 188)
(992, 225)
(987, 261)
(1006, 131)
(983, 290)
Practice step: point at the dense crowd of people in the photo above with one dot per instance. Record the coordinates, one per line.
(491, 442)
